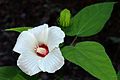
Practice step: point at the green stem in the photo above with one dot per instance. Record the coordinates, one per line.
(73, 41)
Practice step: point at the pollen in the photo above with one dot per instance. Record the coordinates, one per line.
(41, 50)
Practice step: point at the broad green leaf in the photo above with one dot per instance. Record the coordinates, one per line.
(19, 29)
(10, 73)
(90, 20)
(1, 78)
(92, 57)
(34, 77)
(18, 77)
(118, 76)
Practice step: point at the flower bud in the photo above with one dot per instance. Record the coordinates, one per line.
(64, 19)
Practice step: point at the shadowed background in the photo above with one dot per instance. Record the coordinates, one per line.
(17, 13)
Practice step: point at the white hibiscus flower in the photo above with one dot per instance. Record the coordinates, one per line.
(39, 50)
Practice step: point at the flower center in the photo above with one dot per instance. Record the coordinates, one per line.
(41, 50)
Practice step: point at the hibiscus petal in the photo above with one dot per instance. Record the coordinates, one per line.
(55, 37)
(28, 64)
(52, 62)
(25, 42)
(40, 33)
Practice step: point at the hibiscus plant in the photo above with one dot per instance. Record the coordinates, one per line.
(40, 49)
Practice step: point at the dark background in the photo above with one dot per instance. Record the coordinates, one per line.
(17, 13)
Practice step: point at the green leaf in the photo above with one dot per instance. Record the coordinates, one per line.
(10, 73)
(90, 20)
(118, 76)
(18, 77)
(19, 29)
(34, 77)
(1, 78)
(92, 57)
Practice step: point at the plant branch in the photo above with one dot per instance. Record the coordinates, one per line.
(73, 41)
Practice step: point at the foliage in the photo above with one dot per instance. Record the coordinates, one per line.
(19, 29)
(90, 20)
(14, 73)
(118, 76)
(92, 57)
(10, 73)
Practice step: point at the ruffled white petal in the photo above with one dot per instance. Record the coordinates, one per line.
(55, 37)
(52, 62)
(40, 33)
(29, 63)
(25, 42)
